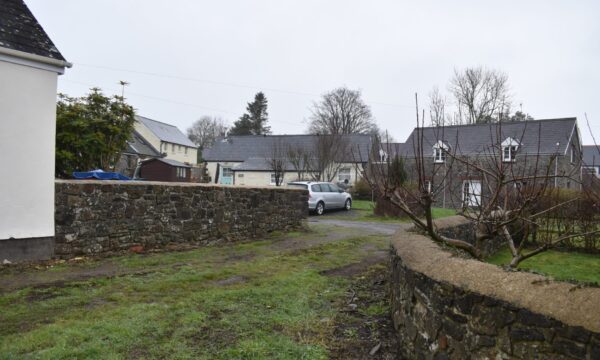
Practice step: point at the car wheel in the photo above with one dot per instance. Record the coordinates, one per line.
(348, 205)
(320, 209)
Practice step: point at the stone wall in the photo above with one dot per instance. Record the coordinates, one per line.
(447, 307)
(459, 227)
(95, 217)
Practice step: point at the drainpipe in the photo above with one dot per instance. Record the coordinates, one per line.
(556, 171)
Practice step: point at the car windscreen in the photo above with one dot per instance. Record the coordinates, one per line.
(299, 186)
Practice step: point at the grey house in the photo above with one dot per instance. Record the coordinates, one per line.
(524, 148)
(244, 160)
(591, 160)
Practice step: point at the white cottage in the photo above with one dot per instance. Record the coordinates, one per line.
(29, 67)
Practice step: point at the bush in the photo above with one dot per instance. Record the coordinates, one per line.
(362, 190)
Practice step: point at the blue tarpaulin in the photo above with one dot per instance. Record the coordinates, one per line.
(100, 175)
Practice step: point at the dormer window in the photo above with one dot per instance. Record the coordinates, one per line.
(509, 149)
(439, 152)
(382, 155)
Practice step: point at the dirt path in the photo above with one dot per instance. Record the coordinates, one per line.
(44, 275)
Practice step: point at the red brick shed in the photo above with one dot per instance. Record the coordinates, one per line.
(160, 169)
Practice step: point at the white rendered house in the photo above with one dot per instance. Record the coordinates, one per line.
(29, 67)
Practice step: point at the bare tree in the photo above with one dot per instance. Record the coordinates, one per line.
(277, 160)
(326, 159)
(205, 130)
(513, 201)
(437, 107)
(481, 94)
(341, 111)
(300, 160)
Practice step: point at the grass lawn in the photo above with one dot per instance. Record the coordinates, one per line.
(557, 264)
(363, 210)
(265, 299)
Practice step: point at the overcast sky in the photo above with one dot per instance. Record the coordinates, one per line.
(185, 59)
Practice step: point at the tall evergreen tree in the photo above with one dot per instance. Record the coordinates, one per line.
(254, 121)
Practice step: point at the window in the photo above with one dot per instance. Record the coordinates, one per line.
(439, 155)
(333, 188)
(181, 172)
(273, 178)
(427, 186)
(509, 149)
(382, 155)
(508, 153)
(186, 150)
(573, 153)
(439, 152)
(591, 170)
(173, 148)
(344, 175)
(471, 193)
(227, 172)
(316, 188)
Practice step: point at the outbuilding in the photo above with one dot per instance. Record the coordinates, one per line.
(161, 169)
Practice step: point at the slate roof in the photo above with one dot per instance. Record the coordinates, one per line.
(241, 148)
(549, 136)
(591, 155)
(168, 161)
(137, 145)
(19, 30)
(166, 132)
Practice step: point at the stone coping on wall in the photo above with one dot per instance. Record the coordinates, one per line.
(568, 303)
(173, 184)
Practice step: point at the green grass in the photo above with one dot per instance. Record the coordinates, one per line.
(438, 213)
(364, 212)
(557, 264)
(278, 305)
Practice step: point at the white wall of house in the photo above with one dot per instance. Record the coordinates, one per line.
(174, 151)
(27, 133)
(260, 178)
(147, 134)
(211, 167)
(182, 153)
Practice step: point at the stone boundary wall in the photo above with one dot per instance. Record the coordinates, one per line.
(459, 227)
(94, 217)
(448, 307)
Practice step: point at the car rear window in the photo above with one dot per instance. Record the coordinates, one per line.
(316, 188)
(299, 186)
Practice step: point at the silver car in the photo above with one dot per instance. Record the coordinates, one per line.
(324, 196)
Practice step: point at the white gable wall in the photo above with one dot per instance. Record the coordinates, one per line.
(27, 133)
(178, 152)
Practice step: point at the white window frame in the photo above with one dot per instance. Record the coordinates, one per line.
(468, 190)
(439, 152)
(345, 173)
(428, 186)
(272, 182)
(229, 170)
(512, 146)
(181, 172)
